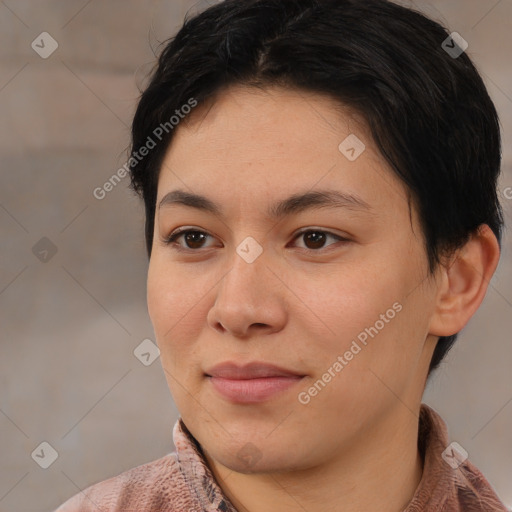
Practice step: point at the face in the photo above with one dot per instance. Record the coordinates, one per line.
(336, 295)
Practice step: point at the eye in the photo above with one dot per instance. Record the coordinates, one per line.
(315, 238)
(194, 238)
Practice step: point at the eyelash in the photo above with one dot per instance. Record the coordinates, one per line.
(170, 240)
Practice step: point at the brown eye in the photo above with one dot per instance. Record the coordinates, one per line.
(314, 239)
(193, 238)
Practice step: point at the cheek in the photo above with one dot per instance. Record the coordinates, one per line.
(158, 297)
(372, 315)
(174, 304)
(174, 301)
(342, 304)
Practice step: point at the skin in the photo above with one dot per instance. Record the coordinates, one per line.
(300, 304)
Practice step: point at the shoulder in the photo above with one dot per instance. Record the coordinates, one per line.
(474, 491)
(155, 486)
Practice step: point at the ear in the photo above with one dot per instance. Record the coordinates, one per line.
(463, 282)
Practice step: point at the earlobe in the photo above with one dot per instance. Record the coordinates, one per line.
(463, 282)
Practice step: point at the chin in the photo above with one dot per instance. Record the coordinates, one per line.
(247, 464)
(249, 458)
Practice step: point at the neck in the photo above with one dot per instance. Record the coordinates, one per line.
(379, 471)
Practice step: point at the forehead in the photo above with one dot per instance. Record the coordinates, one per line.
(253, 144)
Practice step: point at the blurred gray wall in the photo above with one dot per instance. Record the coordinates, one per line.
(73, 268)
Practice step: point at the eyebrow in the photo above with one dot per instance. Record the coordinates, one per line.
(293, 204)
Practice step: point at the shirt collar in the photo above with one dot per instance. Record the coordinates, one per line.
(440, 480)
(196, 472)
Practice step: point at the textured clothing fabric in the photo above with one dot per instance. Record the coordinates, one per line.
(181, 481)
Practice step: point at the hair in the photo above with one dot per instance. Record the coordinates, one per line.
(428, 112)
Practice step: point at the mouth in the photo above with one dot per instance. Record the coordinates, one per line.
(251, 383)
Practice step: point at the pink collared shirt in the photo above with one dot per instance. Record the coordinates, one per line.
(182, 481)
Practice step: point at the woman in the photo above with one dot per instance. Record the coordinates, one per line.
(319, 180)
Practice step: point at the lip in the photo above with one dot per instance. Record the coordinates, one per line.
(254, 382)
(252, 370)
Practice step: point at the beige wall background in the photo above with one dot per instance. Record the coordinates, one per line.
(73, 268)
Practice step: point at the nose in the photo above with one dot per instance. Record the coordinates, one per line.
(249, 299)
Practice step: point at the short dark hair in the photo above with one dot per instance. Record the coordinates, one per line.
(428, 111)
